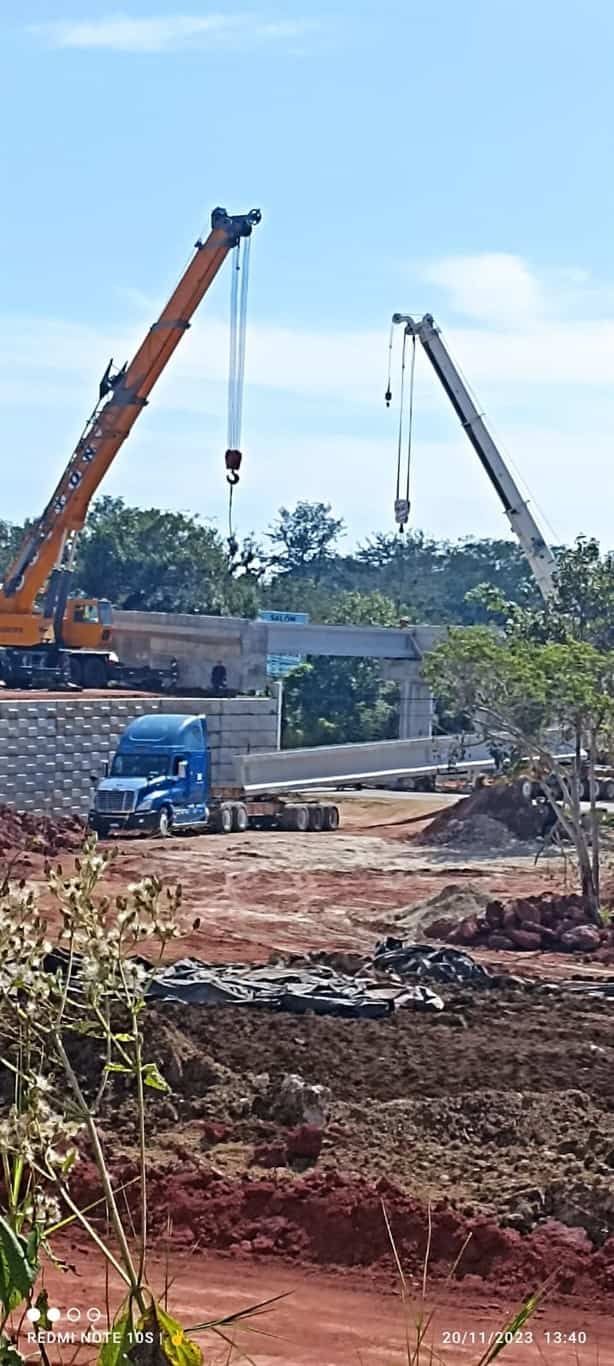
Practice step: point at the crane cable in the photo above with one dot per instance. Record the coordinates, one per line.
(402, 500)
(236, 374)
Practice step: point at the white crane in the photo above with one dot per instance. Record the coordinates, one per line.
(516, 508)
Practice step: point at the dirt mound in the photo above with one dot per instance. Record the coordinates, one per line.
(556, 923)
(453, 903)
(20, 831)
(473, 1105)
(493, 815)
(333, 1219)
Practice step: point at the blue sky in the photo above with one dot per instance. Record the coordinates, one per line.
(451, 158)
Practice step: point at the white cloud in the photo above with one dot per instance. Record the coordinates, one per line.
(162, 33)
(490, 286)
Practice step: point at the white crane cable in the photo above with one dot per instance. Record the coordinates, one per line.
(242, 337)
(402, 500)
(233, 358)
(239, 285)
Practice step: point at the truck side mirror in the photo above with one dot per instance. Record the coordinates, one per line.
(182, 768)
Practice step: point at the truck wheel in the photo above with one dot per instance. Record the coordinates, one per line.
(165, 821)
(76, 670)
(94, 671)
(331, 817)
(316, 817)
(240, 818)
(101, 829)
(224, 819)
(607, 791)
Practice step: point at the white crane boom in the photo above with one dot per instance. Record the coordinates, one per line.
(516, 508)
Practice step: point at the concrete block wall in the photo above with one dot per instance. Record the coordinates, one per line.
(49, 749)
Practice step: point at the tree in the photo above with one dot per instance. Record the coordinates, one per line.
(304, 539)
(330, 701)
(582, 607)
(333, 701)
(526, 696)
(10, 540)
(430, 580)
(148, 560)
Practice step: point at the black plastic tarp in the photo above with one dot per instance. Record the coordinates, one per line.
(318, 989)
(435, 965)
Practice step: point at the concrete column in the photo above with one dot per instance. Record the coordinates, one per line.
(278, 694)
(415, 698)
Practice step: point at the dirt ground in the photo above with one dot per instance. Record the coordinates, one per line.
(497, 1114)
(257, 892)
(330, 1320)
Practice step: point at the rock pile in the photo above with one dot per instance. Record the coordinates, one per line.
(535, 922)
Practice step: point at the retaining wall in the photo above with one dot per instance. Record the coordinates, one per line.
(49, 749)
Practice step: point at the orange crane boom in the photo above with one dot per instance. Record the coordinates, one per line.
(45, 558)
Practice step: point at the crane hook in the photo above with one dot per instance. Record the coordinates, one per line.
(232, 460)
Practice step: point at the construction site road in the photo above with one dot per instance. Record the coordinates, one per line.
(326, 1320)
(246, 895)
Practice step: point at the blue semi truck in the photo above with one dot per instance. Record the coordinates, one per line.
(159, 781)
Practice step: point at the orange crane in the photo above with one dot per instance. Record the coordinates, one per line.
(48, 638)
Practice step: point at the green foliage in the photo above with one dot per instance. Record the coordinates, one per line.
(144, 559)
(333, 701)
(153, 1078)
(336, 701)
(10, 539)
(303, 540)
(429, 580)
(544, 674)
(9, 1356)
(114, 1352)
(17, 1272)
(524, 688)
(582, 607)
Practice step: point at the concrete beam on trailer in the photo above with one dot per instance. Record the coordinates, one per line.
(331, 765)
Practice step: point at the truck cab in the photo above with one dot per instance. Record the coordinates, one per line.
(159, 778)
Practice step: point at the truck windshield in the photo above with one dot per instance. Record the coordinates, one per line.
(139, 765)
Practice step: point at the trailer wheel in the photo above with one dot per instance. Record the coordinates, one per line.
(165, 821)
(223, 819)
(297, 818)
(331, 817)
(240, 818)
(607, 791)
(316, 817)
